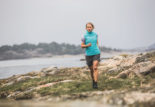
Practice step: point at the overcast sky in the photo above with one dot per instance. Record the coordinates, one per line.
(121, 24)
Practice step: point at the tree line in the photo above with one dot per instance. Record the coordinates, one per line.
(28, 50)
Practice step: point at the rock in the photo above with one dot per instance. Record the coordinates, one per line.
(13, 94)
(115, 69)
(41, 74)
(123, 75)
(140, 59)
(146, 68)
(33, 73)
(9, 83)
(23, 95)
(120, 61)
(49, 69)
(129, 61)
(23, 78)
(52, 72)
(142, 68)
(51, 84)
(117, 57)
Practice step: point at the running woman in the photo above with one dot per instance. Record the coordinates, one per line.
(92, 52)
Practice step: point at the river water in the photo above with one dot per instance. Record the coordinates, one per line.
(21, 66)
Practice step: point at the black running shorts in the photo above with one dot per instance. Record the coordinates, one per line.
(90, 59)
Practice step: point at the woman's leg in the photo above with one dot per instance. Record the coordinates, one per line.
(95, 70)
(91, 72)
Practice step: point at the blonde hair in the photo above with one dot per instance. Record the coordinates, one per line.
(90, 24)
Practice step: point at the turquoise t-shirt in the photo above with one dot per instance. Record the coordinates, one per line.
(91, 37)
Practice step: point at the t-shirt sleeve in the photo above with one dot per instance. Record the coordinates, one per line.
(83, 39)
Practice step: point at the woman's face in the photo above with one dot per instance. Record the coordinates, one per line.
(89, 27)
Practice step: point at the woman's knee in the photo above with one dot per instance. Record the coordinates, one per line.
(95, 64)
(95, 68)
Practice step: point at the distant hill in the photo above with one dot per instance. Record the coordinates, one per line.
(27, 50)
(142, 49)
(151, 47)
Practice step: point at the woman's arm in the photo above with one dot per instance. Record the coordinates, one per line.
(97, 43)
(83, 45)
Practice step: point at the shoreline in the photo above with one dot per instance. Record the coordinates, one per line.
(45, 61)
(124, 80)
(69, 55)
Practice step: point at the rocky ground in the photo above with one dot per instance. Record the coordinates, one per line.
(124, 80)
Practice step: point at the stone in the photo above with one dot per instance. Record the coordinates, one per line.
(23, 78)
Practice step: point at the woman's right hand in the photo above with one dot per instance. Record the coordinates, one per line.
(89, 44)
